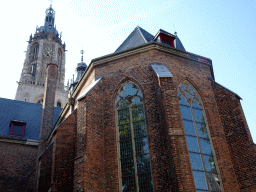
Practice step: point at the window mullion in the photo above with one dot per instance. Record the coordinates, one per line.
(134, 152)
(201, 153)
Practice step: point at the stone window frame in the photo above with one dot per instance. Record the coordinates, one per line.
(121, 89)
(35, 51)
(198, 98)
(17, 123)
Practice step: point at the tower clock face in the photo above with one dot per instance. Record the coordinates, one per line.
(48, 53)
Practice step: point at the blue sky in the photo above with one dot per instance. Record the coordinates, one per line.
(221, 30)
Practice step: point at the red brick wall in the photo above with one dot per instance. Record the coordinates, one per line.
(17, 167)
(45, 163)
(89, 162)
(63, 155)
(137, 67)
(242, 149)
(96, 162)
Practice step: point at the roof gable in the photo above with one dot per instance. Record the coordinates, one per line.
(138, 37)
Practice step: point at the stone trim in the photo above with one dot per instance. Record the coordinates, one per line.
(19, 141)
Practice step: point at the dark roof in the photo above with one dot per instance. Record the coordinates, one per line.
(138, 37)
(29, 113)
(179, 45)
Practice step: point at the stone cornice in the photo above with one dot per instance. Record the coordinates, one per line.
(151, 46)
(19, 141)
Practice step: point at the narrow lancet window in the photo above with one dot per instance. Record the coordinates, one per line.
(59, 57)
(202, 159)
(35, 52)
(134, 156)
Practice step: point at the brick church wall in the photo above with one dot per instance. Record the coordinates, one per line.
(241, 146)
(17, 167)
(90, 150)
(137, 67)
(63, 155)
(96, 161)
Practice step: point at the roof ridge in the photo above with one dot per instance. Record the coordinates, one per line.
(142, 34)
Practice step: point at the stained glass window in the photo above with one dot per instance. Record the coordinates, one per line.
(133, 140)
(202, 160)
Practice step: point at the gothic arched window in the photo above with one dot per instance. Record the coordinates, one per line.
(202, 158)
(35, 52)
(134, 158)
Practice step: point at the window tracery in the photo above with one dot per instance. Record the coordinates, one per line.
(202, 159)
(132, 139)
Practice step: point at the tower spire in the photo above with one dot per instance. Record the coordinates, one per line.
(49, 19)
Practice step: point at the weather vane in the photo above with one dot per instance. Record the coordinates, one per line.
(82, 52)
(51, 1)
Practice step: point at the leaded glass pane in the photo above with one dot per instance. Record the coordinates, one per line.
(127, 166)
(196, 161)
(128, 90)
(145, 183)
(205, 146)
(143, 164)
(191, 90)
(140, 94)
(182, 86)
(183, 101)
(198, 142)
(137, 112)
(198, 115)
(202, 130)
(214, 182)
(209, 163)
(200, 180)
(188, 95)
(126, 149)
(196, 104)
(136, 100)
(140, 129)
(192, 144)
(131, 121)
(128, 184)
(141, 145)
(185, 112)
(123, 104)
(189, 127)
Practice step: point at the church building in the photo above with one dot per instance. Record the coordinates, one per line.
(149, 117)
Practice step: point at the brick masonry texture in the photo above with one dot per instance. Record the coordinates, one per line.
(17, 167)
(64, 155)
(238, 136)
(90, 133)
(43, 166)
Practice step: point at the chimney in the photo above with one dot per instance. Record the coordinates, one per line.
(43, 165)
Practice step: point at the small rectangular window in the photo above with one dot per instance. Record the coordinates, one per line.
(17, 128)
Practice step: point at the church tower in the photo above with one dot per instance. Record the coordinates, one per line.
(44, 47)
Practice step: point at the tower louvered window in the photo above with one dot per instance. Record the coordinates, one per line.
(134, 156)
(59, 57)
(202, 158)
(35, 52)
